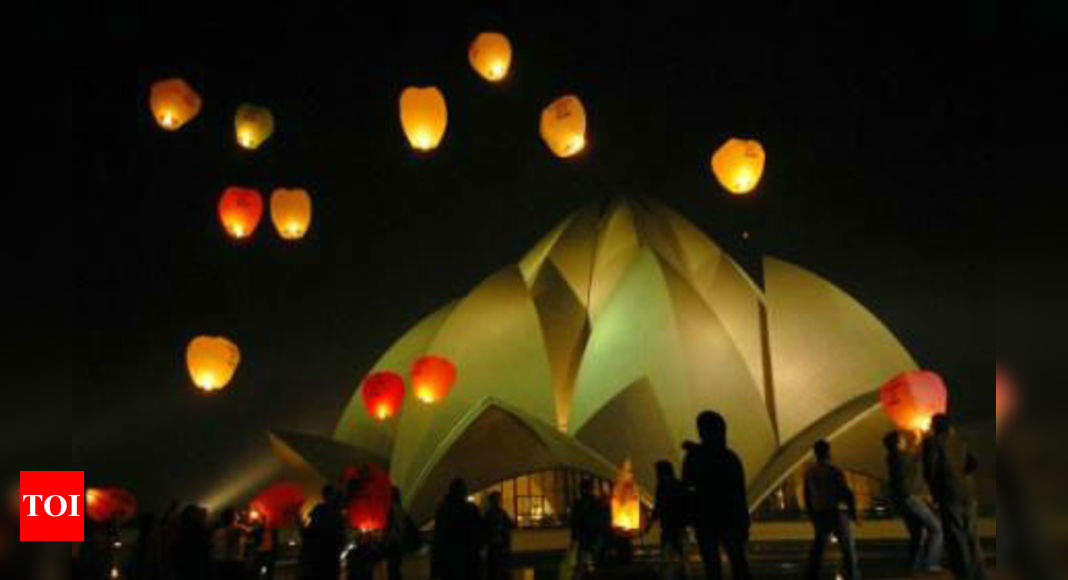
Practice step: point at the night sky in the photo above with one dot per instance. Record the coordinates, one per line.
(870, 125)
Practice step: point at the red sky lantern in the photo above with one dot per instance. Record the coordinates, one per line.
(240, 210)
(383, 393)
(279, 505)
(107, 504)
(1004, 398)
(913, 398)
(368, 509)
(432, 378)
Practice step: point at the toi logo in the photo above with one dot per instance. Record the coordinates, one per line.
(52, 506)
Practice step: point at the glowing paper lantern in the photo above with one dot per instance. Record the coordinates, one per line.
(913, 398)
(279, 506)
(738, 165)
(291, 212)
(563, 126)
(173, 102)
(626, 506)
(432, 378)
(368, 508)
(253, 124)
(211, 361)
(490, 55)
(109, 504)
(240, 211)
(423, 116)
(383, 393)
(1004, 398)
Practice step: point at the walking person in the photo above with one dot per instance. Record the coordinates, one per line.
(458, 536)
(945, 459)
(591, 519)
(908, 493)
(498, 538)
(833, 510)
(670, 510)
(401, 536)
(717, 478)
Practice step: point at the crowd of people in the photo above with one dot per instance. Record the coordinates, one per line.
(930, 483)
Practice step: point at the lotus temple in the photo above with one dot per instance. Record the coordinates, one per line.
(601, 345)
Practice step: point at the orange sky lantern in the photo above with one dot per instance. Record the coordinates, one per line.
(490, 54)
(626, 506)
(253, 124)
(368, 510)
(240, 210)
(279, 506)
(738, 165)
(423, 116)
(383, 393)
(107, 504)
(563, 126)
(1004, 397)
(291, 212)
(913, 398)
(173, 102)
(211, 361)
(432, 378)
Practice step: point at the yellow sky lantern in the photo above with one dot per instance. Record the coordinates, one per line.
(563, 126)
(423, 116)
(173, 102)
(253, 124)
(490, 55)
(625, 503)
(211, 361)
(738, 165)
(291, 212)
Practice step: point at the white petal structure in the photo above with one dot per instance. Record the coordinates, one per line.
(604, 342)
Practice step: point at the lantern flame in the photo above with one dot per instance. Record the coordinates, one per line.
(424, 117)
(211, 361)
(738, 165)
(626, 506)
(563, 126)
(173, 103)
(490, 55)
(912, 399)
(432, 378)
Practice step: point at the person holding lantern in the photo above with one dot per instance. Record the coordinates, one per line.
(945, 467)
(717, 478)
(908, 492)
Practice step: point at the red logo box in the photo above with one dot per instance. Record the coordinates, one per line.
(52, 506)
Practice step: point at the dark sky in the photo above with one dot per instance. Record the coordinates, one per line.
(872, 124)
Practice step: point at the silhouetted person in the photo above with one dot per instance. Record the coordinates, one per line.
(262, 551)
(591, 520)
(147, 559)
(498, 538)
(670, 510)
(323, 539)
(400, 536)
(908, 492)
(945, 457)
(458, 536)
(833, 510)
(192, 550)
(717, 478)
(227, 546)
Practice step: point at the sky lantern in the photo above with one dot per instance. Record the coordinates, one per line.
(1004, 398)
(738, 165)
(626, 506)
(368, 506)
(109, 504)
(240, 210)
(383, 393)
(432, 378)
(173, 102)
(291, 212)
(253, 124)
(563, 126)
(490, 54)
(211, 361)
(279, 506)
(913, 398)
(423, 116)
